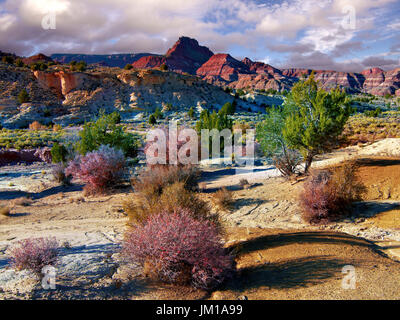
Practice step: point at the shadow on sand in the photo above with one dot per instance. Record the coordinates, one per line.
(300, 272)
(11, 194)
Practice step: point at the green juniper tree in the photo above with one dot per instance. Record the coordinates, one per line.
(310, 122)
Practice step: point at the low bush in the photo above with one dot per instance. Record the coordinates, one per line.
(287, 163)
(99, 170)
(23, 201)
(151, 181)
(105, 131)
(28, 139)
(35, 125)
(174, 197)
(178, 249)
(223, 199)
(58, 172)
(34, 253)
(328, 194)
(5, 211)
(58, 153)
(23, 96)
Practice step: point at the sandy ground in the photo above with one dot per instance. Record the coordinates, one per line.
(281, 264)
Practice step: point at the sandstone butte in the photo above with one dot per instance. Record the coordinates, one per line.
(187, 56)
(224, 70)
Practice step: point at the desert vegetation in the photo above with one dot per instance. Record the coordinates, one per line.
(34, 254)
(328, 194)
(309, 122)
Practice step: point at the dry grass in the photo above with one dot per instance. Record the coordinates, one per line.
(328, 194)
(23, 202)
(139, 207)
(223, 199)
(361, 129)
(5, 211)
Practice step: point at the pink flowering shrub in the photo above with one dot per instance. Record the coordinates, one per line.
(33, 254)
(179, 249)
(100, 169)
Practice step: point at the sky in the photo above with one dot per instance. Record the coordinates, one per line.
(342, 35)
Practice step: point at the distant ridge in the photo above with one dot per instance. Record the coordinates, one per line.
(109, 60)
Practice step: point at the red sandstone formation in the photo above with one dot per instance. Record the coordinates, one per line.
(37, 58)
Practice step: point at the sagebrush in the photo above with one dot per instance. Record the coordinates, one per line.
(100, 170)
(152, 180)
(328, 194)
(176, 248)
(174, 197)
(34, 253)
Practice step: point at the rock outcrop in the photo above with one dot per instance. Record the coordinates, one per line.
(185, 56)
(222, 67)
(37, 58)
(73, 97)
(109, 60)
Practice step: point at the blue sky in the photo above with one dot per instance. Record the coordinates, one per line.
(344, 35)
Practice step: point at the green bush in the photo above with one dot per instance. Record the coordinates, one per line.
(23, 96)
(310, 122)
(191, 113)
(58, 153)
(77, 66)
(105, 131)
(38, 66)
(19, 63)
(152, 119)
(229, 108)
(158, 114)
(128, 67)
(373, 113)
(164, 67)
(7, 59)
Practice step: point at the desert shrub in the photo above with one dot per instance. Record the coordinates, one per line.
(287, 163)
(40, 65)
(57, 128)
(163, 67)
(223, 199)
(78, 66)
(191, 113)
(152, 119)
(35, 125)
(158, 114)
(229, 108)
(19, 63)
(28, 139)
(23, 96)
(153, 180)
(172, 198)
(176, 248)
(58, 172)
(105, 131)
(58, 153)
(7, 59)
(99, 170)
(373, 113)
(5, 211)
(128, 67)
(328, 194)
(44, 154)
(33, 254)
(23, 201)
(244, 184)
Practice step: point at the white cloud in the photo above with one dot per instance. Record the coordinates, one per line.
(111, 26)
